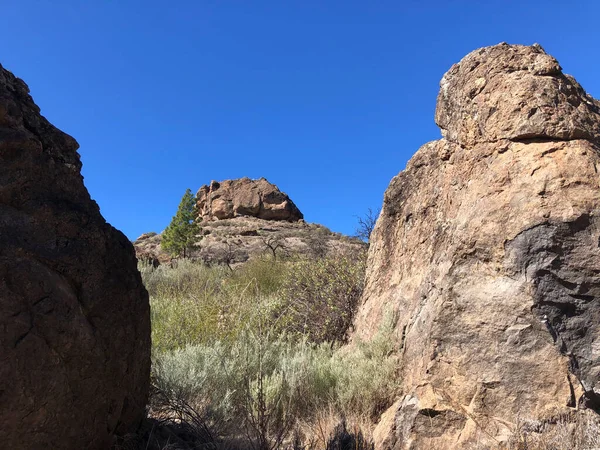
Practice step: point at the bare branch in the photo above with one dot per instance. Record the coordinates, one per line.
(366, 223)
(274, 243)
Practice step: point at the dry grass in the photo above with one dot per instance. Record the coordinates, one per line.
(328, 429)
(579, 431)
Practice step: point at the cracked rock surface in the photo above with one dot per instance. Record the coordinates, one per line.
(245, 197)
(74, 315)
(487, 252)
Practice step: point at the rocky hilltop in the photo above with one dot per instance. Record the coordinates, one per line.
(74, 315)
(243, 218)
(487, 253)
(245, 197)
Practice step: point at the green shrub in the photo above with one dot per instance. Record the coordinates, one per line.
(185, 304)
(194, 303)
(320, 296)
(267, 383)
(251, 353)
(366, 373)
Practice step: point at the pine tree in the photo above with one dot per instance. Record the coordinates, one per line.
(181, 232)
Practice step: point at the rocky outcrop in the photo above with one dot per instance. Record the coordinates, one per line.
(148, 250)
(237, 240)
(245, 197)
(516, 93)
(74, 315)
(487, 253)
(242, 219)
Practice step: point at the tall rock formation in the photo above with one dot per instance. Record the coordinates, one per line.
(74, 315)
(487, 251)
(245, 197)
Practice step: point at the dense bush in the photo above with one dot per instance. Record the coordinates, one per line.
(253, 353)
(319, 296)
(194, 303)
(262, 385)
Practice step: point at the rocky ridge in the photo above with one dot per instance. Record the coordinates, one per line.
(243, 218)
(486, 252)
(74, 315)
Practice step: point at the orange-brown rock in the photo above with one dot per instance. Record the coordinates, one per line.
(74, 315)
(513, 92)
(245, 197)
(487, 251)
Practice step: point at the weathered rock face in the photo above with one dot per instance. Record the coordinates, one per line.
(74, 315)
(516, 93)
(487, 250)
(245, 197)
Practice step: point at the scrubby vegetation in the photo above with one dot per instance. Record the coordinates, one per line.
(319, 296)
(251, 358)
(579, 431)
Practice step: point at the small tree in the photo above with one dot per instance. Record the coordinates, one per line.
(274, 243)
(366, 224)
(227, 254)
(179, 235)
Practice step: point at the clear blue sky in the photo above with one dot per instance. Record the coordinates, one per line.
(326, 99)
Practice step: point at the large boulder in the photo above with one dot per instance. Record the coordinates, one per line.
(74, 315)
(487, 253)
(245, 197)
(513, 92)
